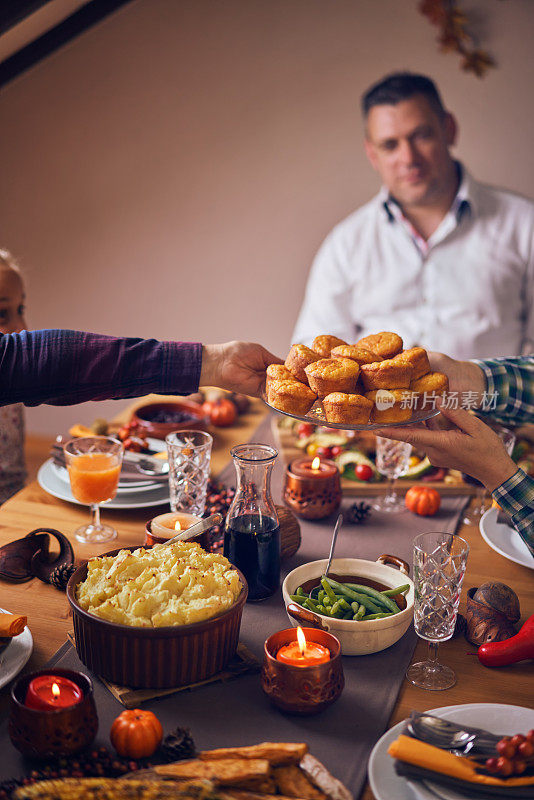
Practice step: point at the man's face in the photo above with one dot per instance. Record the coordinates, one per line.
(408, 145)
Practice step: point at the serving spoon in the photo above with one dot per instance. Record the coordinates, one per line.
(339, 523)
(196, 529)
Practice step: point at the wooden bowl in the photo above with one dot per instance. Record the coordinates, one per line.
(155, 658)
(143, 417)
(356, 638)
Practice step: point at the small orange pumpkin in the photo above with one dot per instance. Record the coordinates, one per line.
(423, 500)
(136, 733)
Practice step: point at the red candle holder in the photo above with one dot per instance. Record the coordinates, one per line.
(302, 690)
(312, 494)
(39, 733)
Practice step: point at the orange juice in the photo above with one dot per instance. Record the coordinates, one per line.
(94, 477)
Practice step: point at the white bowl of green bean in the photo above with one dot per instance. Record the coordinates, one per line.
(367, 605)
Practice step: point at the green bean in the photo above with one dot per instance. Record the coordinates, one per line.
(297, 598)
(378, 597)
(322, 610)
(399, 590)
(309, 604)
(335, 609)
(326, 601)
(300, 591)
(321, 595)
(360, 613)
(378, 616)
(329, 589)
(347, 614)
(343, 604)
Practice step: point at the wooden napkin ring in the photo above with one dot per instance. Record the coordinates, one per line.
(30, 557)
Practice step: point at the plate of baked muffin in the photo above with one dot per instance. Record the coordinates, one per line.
(361, 386)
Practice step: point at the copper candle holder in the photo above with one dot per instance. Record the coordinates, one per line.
(302, 690)
(48, 734)
(310, 494)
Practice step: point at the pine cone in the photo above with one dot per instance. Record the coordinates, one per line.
(178, 744)
(358, 513)
(60, 576)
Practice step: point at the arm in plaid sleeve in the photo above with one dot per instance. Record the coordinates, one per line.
(516, 497)
(511, 382)
(63, 367)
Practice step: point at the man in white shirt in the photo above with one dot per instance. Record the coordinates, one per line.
(442, 260)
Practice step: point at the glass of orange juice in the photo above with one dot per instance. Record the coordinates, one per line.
(94, 465)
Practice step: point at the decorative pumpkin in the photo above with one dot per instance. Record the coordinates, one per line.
(221, 413)
(136, 733)
(423, 500)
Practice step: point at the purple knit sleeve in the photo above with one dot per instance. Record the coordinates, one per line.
(63, 367)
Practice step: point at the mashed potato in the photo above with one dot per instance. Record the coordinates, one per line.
(173, 584)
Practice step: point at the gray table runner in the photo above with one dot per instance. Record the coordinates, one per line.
(237, 713)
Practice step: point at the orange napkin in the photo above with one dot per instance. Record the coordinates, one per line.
(12, 624)
(432, 758)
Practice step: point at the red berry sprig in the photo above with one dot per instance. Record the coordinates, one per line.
(516, 754)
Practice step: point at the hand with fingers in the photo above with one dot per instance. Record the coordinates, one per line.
(236, 366)
(470, 446)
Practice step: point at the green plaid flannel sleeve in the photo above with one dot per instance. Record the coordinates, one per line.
(509, 395)
(516, 497)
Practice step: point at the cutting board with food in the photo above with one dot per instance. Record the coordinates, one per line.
(353, 451)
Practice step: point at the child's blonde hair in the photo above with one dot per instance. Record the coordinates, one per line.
(8, 260)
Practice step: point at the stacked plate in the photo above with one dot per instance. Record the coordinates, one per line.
(133, 492)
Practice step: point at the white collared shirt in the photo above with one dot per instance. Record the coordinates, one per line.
(468, 291)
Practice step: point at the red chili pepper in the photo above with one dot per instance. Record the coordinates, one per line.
(517, 648)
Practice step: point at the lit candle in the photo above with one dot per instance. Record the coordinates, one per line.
(167, 525)
(52, 692)
(316, 469)
(302, 653)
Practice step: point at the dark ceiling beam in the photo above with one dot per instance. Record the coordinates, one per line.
(56, 37)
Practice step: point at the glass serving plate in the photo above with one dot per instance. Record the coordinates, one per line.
(317, 416)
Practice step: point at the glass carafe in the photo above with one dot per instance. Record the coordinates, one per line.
(252, 530)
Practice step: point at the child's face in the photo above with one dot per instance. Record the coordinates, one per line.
(12, 308)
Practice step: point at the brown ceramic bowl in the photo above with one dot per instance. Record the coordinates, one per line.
(155, 658)
(181, 415)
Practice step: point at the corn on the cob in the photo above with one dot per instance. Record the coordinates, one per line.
(102, 789)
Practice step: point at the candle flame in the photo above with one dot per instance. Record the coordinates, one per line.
(316, 463)
(301, 640)
(55, 691)
(177, 525)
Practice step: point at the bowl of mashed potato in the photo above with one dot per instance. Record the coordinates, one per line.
(157, 617)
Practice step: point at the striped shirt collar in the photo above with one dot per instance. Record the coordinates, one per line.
(464, 203)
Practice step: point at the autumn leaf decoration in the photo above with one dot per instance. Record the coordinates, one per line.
(453, 36)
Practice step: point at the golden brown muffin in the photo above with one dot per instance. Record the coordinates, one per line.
(418, 358)
(388, 374)
(384, 344)
(434, 384)
(352, 409)
(388, 405)
(324, 344)
(358, 354)
(291, 396)
(277, 372)
(333, 375)
(298, 359)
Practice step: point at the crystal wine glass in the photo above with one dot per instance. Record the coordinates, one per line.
(439, 566)
(473, 515)
(94, 465)
(392, 460)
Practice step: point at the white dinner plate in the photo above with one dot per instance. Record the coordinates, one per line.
(16, 654)
(494, 717)
(142, 498)
(504, 540)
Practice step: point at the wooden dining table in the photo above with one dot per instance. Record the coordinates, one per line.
(50, 621)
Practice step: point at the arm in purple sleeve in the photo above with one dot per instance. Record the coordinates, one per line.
(63, 367)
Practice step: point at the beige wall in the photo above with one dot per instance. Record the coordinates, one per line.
(171, 172)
